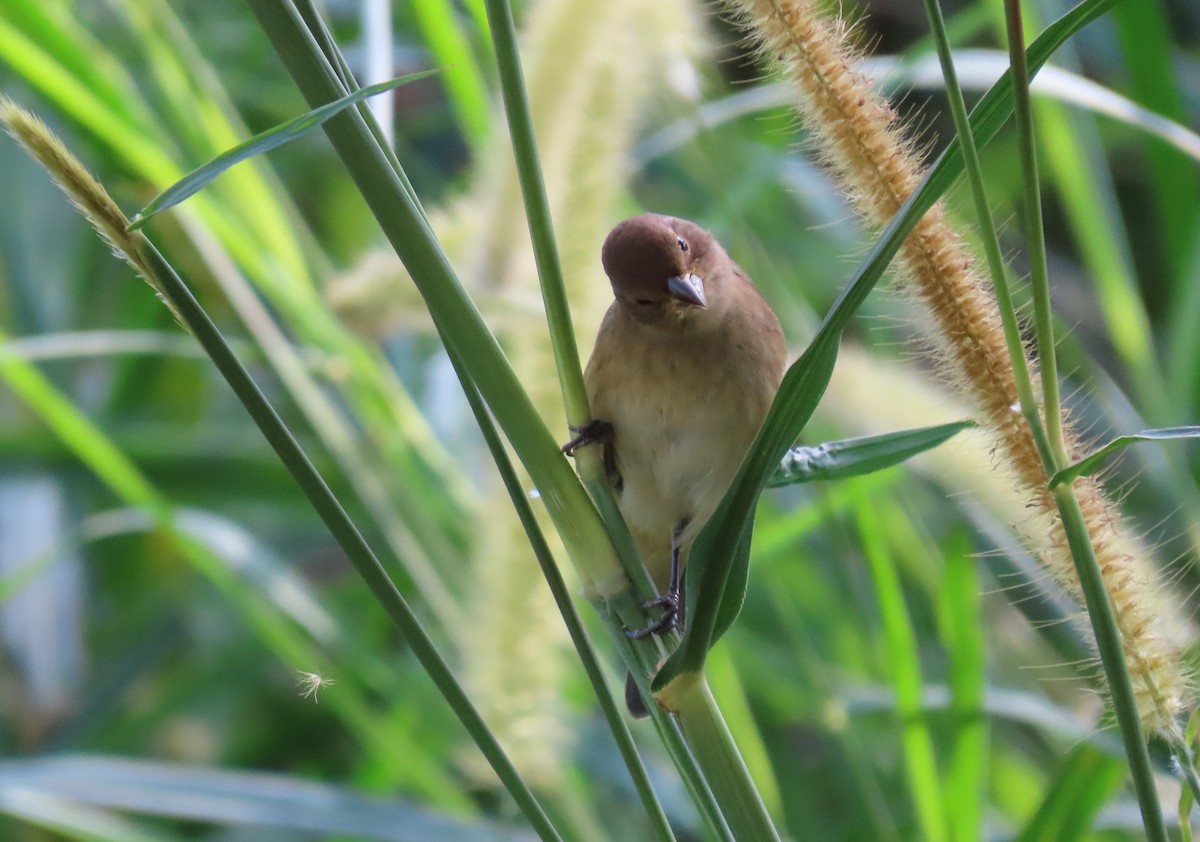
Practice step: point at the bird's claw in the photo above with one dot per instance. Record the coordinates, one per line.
(595, 431)
(669, 620)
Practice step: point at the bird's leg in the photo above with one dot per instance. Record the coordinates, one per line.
(670, 602)
(595, 431)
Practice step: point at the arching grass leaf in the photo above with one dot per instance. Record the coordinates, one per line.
(273, 138)
(1090, 464)
(857, 456)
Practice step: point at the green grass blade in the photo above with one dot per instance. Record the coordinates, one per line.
(1143, 29)
(537, 211)
(903, 660)
(1092, 462)
(464, 77)
(963, 636)
(261, 143)
(862, 455)
(1085, 783)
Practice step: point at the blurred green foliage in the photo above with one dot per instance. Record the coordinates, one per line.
(865, 595)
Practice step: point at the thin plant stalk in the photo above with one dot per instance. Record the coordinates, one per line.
(991, 241)
(345, 533)
(717, 754)
(1100, 610)
(1112, 657)
(1051, 443)
(537, 211)
(554, 295)
(1035, 234)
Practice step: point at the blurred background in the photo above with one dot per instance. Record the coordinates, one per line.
(146, 671)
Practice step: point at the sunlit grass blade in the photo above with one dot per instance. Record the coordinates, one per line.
(977, 69)
(903, 660)
(964, 637)
(248, 233)
(261, 143)
(863, 455)
(1092, 463)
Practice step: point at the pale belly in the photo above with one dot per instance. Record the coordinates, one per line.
(676, 453)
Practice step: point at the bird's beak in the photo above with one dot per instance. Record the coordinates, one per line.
(688, 289)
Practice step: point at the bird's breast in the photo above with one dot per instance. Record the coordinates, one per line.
(683, 418)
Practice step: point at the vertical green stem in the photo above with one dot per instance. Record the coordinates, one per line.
(991, 242)
(1112, 657)
(1050, 438)
(537, 211)
(1039, 275)
(709, 738)
(562, 598)
(1099, 607)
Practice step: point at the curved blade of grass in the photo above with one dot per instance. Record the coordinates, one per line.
(978, 69)
(805, 382)
(274, 804)
(1092, 462)
(263, 142)
(861, 455)
(1087, 781)
(65, 817)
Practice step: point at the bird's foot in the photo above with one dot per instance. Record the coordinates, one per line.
(595, 431)
(669, 620)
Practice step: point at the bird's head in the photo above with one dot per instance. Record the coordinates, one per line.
(661, 267)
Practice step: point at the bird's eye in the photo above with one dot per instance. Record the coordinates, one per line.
(644, 301)
(683, 246)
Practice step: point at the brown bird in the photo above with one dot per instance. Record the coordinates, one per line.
(686, 363)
